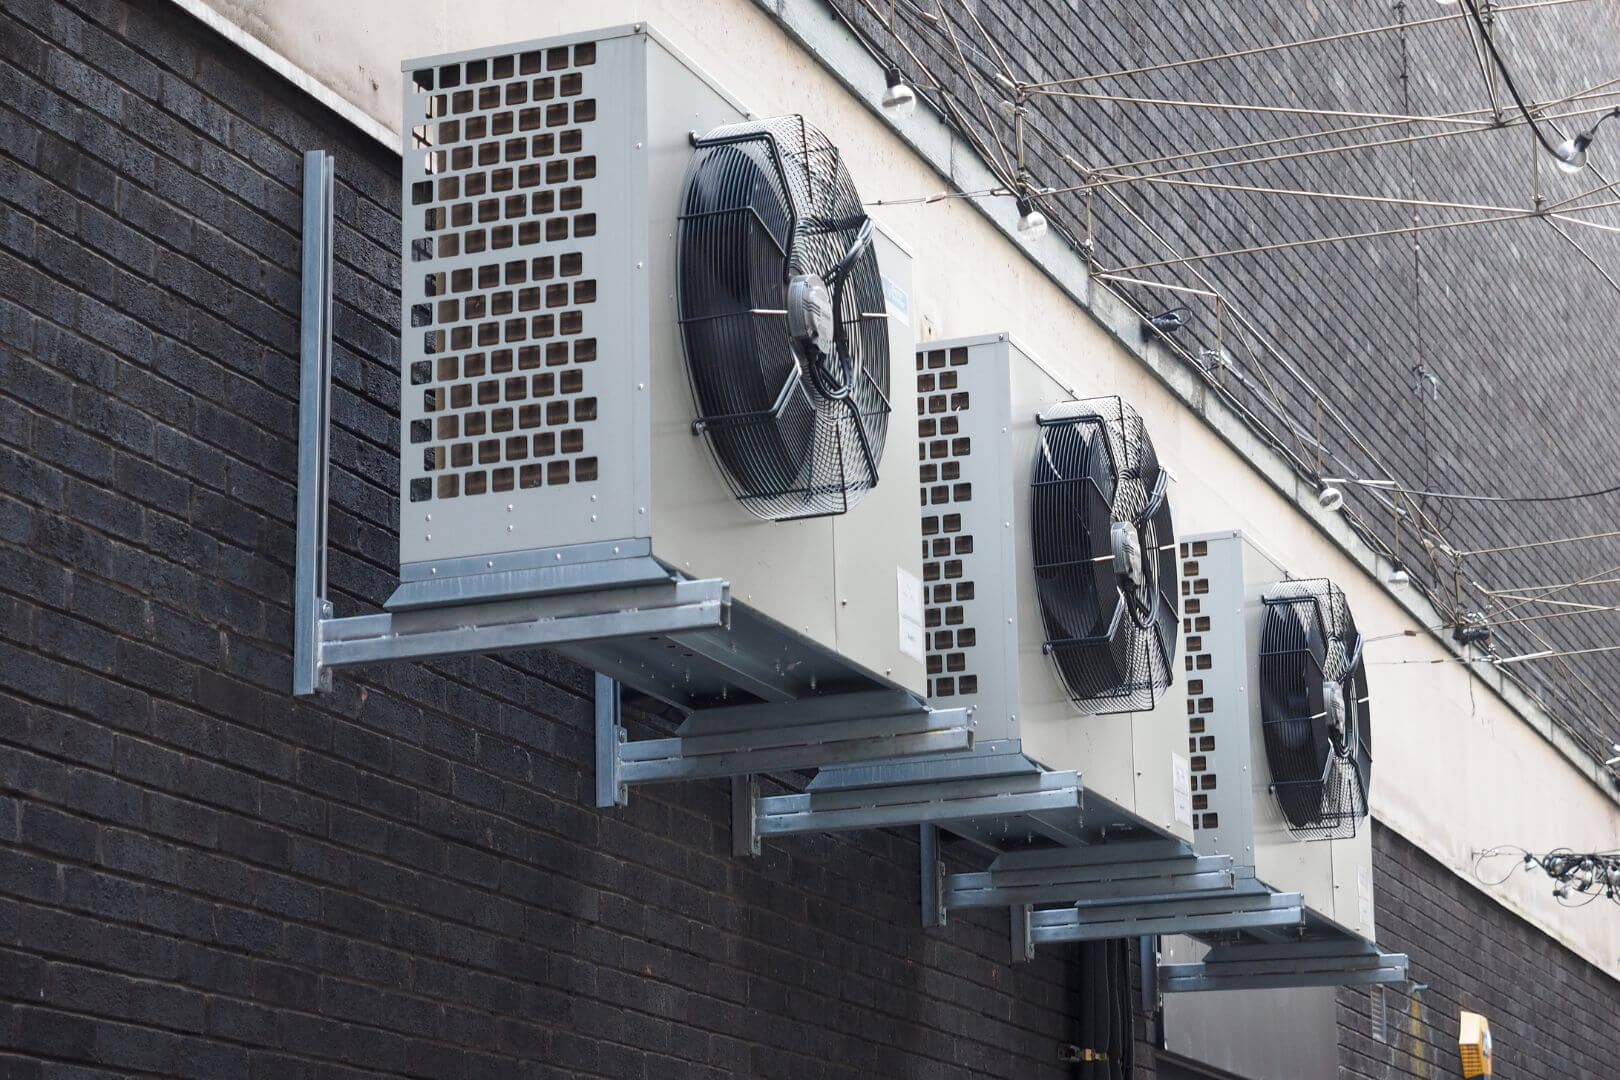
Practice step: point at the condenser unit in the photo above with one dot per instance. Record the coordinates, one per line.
(1279, 727)
(646, 415)
(648, 336)
(1050, 611)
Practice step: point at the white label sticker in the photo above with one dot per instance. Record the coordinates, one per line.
(1181, 787)
(911, 613)
(1364, 898)
(896, 300)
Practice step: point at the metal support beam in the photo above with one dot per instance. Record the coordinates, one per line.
(310, 605)
(1147, 958)
(779, 736)
(1251, 907)
(609, 736)
(1098, 875)
(1023, 943)
(744, 798)
(1336, 962)
(530, 622)
(933, 875)
(937, 802)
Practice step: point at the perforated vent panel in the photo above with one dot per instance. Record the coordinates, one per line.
(949, 581)
(505, 288)
(1203, 630)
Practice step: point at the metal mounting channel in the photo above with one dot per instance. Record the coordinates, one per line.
(738, 740)
(310, 605)
(938, 802)
(1087, 876)
(1346, 962)
(1243, 910)
(531, 622)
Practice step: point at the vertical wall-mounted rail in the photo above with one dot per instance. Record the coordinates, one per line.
(933, 874)
(314, 413)
(609, 737)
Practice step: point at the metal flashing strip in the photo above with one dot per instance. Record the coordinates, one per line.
(775, 736)
(1344, 962)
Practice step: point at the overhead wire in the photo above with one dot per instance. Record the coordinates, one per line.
(1502, 213)
(1324, 40)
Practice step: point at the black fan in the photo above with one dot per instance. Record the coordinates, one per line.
(1313, 709)
(782, 317)
(1105, 555)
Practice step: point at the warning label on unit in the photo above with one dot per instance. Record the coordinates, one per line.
(911, 613)
(897, 300)
(1181, 787)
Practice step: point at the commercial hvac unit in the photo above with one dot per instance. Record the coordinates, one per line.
(1280, 740)
(1050, 594)
(645, 412)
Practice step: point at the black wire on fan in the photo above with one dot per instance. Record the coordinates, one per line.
(1310, 653)
(764, 203)
(1111, 635)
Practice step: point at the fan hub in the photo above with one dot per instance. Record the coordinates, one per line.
(811, 324)
(1127, 547)
(1337, 714)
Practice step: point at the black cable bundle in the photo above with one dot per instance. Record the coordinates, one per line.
(798, 431)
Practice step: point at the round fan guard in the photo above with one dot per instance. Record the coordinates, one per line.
(782, 318)
(1315, 718)
(1104, 554)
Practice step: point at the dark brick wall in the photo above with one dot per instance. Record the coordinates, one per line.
(202, 877)
(1508, 316)
(1551, 1012)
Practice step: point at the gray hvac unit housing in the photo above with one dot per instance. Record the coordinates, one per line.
(991, 418)
(548, 443)
(1239, 809)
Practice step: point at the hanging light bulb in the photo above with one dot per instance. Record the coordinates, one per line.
(1031, 222)
(899, 100)
(1570, 155)
(1330, 498)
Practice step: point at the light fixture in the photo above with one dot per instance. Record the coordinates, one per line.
(1330, 498)
(1031, 222)
(1570, 155)
(899, 100)
(1399, 578)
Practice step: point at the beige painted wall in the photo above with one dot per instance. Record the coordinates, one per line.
(1457, 769)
